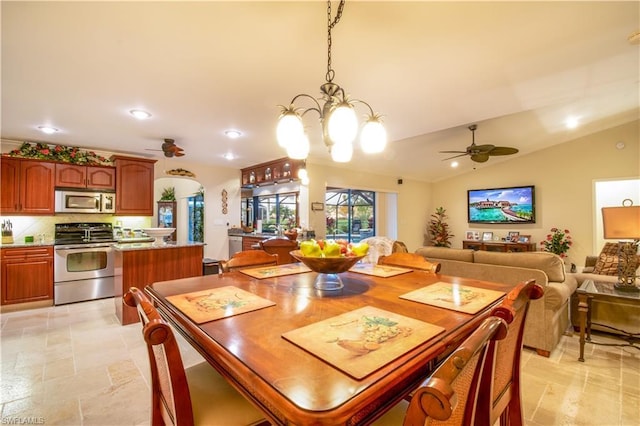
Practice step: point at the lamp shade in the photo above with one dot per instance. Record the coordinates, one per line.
(299, 149)
(343, 124)
(373, 137)
(341, 152)
(621, 222)
(290, 129)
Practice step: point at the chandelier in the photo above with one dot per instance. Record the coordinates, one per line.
(337, 117)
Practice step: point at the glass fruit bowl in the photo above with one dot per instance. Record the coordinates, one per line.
(327, 268)
(158, 234)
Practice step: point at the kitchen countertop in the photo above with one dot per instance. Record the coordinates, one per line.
(151, 246)
(22, 244)
(253, 234)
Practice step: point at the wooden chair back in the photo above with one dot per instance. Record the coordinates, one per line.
(249, 259)
(399, 247)
(281, 247)
(449, 395)
(170, 397)
(501, 376)
(409, 260)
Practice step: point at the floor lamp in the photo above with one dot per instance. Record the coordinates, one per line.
(623, 224)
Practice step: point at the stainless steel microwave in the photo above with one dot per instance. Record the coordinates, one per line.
(85, 202)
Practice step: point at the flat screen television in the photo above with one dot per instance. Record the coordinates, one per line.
(510, 205)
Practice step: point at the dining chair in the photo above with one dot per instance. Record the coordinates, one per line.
(449, 395)
(281, 247)
(399, 247)
(248, 259)
(409, 260)
(198, 395)
(501, 376)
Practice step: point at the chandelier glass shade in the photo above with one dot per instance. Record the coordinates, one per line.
(338, 118)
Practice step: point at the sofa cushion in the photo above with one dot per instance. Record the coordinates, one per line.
(551, 264)
(464, 255)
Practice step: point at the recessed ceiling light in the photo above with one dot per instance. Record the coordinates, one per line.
(454, 164)
(140, 114)
(571, 122)
(233, 134)
(48, 129)
(229, 156)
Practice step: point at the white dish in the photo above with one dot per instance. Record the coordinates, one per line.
(158, 234)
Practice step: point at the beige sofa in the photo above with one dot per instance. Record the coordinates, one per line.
(548, 317)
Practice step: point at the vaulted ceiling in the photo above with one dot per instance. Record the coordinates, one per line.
(517, 69)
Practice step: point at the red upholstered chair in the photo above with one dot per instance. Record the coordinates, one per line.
(449, 395)
(409, 260)
(179, 397)
(501, 376)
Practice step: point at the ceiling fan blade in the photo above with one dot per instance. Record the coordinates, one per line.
(503, 150)
(455, 156)
(452, 152)
(481, 148)
(179, 154)
(480, 158)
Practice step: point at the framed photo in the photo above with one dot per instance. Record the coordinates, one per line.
(524, 239)
(317, 206)
(469, 236)
(513, 236)
(487, 236)
(476, 235)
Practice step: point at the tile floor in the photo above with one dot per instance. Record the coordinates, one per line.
(75, 365)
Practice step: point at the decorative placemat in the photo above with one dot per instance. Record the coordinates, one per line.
(383, 271)
(276, 271)
(454, 296)
(208, 305)
(361, 341)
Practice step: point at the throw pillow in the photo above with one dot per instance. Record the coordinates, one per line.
(610, 248)
(607, 264)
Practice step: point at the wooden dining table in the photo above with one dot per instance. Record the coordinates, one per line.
(292, 385)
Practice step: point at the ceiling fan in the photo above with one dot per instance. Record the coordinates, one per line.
(480, 153)
(170, 149)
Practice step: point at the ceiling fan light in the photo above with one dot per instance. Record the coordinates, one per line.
(373, 137)
(341, 152)
(299, 149)
(290, 128)
(342, 124)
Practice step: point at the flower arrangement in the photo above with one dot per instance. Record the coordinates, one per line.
(62, 153)
(558, 242)
(439, 229)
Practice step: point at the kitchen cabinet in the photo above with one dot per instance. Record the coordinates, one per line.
(134, 186)
(27, 274)
(27, 186)
(167, 217)
(89, 177)
(281, 170)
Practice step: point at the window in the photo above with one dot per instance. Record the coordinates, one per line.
(277, 210)
(350, 214)
(195, 208)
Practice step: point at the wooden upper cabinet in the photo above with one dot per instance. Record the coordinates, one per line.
(89, 177)
(27, 186)
(134, 186)
(281, 170)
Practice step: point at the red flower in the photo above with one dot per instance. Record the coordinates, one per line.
(45, 152)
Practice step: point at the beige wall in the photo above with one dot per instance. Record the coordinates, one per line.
(564, 178)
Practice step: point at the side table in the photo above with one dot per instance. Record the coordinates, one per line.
(590, 290)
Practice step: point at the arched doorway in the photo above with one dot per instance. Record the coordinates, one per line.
(189, 207)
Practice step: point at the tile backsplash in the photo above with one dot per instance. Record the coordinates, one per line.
(35, 225)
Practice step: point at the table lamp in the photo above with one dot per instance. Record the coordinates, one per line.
(623, 223)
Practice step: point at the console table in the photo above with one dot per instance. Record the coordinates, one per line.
(590, 290)
(504, 246)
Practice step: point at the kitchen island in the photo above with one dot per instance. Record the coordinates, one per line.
(141, 264)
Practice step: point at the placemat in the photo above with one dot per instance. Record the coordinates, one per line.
(208, 305)
(454, 296)
(276, 271)
(361, 341)
(383, 271)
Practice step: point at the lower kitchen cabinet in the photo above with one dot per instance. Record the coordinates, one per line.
(27, 274)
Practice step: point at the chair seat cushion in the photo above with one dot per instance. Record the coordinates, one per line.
(215, 401)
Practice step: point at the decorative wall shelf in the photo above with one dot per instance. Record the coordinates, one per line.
(270, 173)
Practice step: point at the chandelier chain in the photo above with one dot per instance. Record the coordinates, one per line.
(330, 72)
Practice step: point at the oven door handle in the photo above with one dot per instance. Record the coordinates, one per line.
(82, 248)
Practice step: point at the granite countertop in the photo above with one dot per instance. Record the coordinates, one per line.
(151, 246)
(22, 244)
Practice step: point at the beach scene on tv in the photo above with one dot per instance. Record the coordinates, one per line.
(502, 205)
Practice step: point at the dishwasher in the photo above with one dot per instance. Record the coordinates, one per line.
(235, 245)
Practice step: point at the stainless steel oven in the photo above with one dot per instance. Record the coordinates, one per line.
(83, 262)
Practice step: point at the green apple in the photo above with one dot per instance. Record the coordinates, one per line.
(331, 249)
(310, 248)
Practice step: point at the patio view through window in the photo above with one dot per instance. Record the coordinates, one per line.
(350, 214)
(278, 210)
